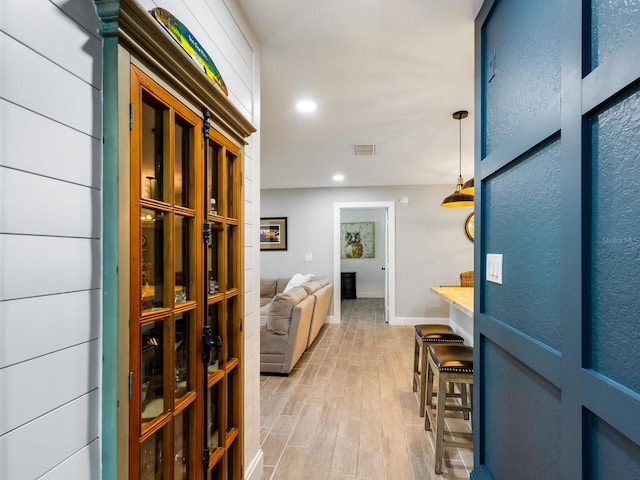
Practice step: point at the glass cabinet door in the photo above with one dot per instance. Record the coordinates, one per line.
(185, 417)
(224, 263)
(164, 307)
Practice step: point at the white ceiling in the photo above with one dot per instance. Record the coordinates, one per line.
(383, 72)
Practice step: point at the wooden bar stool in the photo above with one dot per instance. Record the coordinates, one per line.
(426, 335)
(447, 364)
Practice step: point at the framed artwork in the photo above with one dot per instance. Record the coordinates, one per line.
(273, 233)
(358, 240)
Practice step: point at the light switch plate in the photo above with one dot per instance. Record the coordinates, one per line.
(308, 257)
(494, 268)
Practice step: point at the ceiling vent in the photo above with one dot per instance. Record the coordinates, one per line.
(364, 149)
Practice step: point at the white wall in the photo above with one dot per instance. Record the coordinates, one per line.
(369, 273)
(50, 229)
(431, 246)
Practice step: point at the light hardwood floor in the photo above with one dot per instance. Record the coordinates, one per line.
(347, 410)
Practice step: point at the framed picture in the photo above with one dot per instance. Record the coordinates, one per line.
(358, 240)
(273, 233)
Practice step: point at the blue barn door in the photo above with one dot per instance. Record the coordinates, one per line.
(558, 195)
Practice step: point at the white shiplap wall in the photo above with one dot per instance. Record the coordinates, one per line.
(50, 130)
(50, 221)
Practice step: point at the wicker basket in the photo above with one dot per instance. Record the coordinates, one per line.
(466, 279)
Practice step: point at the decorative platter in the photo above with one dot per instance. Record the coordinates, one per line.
(181, 34)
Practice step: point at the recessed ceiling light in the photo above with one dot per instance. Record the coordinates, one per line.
(306, 106)
(338, 177)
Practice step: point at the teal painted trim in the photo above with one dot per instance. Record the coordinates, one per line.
(108, 10)
(110, 258)
(480, 473)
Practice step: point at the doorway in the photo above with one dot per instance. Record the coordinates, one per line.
(388, 253)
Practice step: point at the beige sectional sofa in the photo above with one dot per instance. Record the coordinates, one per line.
(291, 321)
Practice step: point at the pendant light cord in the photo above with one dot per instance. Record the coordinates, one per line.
(460, 146)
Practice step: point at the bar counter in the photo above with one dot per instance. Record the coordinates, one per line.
(460, 300)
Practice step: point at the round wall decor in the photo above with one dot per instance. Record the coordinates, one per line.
(469, 226)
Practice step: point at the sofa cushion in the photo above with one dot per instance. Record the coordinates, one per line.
(297, 280)
(315, 284)
(271, 344)
(280, 308)
(267, 287)
(281, 283)
(264, 310)
(265, 301)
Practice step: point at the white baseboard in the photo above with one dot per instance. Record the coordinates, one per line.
(405, 320)
(420, 320)
(255, 468)
(370, 295)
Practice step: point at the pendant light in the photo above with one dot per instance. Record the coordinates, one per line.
(457, 198)
(468, 187)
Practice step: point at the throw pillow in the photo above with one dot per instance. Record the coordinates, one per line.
(297, 280)
(280, 309)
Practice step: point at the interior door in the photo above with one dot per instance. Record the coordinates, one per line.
(386, 265)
